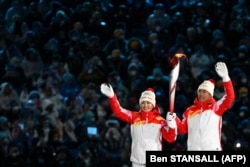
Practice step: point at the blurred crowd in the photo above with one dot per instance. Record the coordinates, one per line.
(54, 54)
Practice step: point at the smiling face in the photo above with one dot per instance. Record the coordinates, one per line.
(146, 106)
(203, 95)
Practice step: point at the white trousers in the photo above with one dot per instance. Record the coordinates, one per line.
(138, 165)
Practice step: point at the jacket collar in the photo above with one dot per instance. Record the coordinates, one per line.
(204, 104)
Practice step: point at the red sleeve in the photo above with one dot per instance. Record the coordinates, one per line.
(121, 113)
(182, 124)
(168, 134)
(226, 102)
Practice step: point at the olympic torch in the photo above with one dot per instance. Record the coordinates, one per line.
(175, 62)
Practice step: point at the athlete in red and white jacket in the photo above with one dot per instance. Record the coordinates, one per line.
(202, 121)
(147, 125)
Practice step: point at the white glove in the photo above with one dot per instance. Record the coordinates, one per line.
(107, 90)
(221, 69)
(171, 120)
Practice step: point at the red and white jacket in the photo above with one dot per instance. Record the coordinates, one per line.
(147, 130)
(202, 121)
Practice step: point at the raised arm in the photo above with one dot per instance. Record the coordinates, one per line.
(121, 113)
(227, 100)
